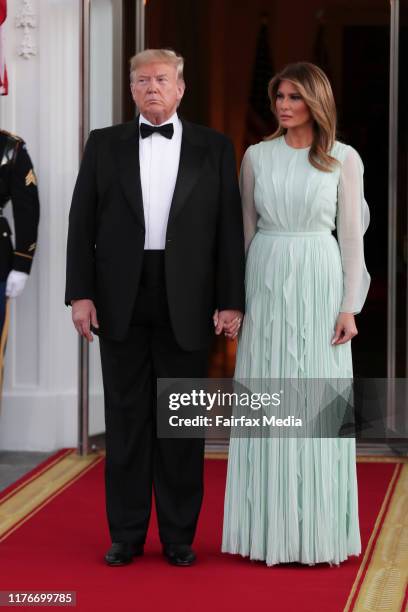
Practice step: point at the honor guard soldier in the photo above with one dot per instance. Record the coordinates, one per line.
(18, 183)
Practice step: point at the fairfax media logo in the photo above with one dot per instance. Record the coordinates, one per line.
(243, 421)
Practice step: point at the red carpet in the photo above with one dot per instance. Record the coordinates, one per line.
(61, 549)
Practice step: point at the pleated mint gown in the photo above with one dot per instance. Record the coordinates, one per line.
(295, 500)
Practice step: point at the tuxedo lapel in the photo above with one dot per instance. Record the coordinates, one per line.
(126, 153)
(192, 156)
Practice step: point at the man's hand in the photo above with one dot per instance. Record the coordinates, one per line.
(228, 321)
(83, 315)
(15, 283)
(345, 328)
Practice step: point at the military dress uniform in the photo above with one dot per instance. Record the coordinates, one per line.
(18, 183)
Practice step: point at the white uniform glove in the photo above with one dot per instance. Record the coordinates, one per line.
(15, 283)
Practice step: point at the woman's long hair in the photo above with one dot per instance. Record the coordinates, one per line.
(315, 89)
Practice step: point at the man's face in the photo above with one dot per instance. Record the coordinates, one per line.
(156, 91)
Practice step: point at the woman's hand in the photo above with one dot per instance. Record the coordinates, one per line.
(227, 321)
(345, 328)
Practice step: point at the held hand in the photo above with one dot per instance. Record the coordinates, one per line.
(83, 315)
(345, 328)
(227, 321)
(15, 283)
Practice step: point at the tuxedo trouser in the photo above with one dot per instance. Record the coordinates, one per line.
(137, 461)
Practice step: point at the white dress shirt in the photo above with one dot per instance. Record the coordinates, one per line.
(159, 159)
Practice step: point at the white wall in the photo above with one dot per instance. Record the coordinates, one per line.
(39, 406)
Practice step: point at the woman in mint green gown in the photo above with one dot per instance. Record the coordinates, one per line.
(295, 500)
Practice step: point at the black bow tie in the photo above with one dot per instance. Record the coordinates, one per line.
(166, 130)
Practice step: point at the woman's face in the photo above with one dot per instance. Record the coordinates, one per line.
(291, 109)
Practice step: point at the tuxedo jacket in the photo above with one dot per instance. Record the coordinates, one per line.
(204, 250)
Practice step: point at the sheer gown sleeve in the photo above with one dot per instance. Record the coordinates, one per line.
(353, 218)
(247, 186)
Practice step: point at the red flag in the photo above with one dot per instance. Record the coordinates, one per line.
(3, 69)
(3, 11)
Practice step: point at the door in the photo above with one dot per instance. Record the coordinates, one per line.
(231, 50)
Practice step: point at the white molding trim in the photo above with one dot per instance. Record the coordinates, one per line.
(39, 403)
(27, 20)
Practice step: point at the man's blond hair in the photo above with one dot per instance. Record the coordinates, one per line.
(150, 56)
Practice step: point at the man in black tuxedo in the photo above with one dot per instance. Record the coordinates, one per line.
(155, 260)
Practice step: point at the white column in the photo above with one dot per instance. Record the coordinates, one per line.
(39, 406)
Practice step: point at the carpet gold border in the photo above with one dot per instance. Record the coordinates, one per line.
(216, 455)
(15, 490)
(380, 459)
(370, 545)
(41, 489)
(384, 584)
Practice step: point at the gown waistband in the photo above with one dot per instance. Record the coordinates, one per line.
(295, 234)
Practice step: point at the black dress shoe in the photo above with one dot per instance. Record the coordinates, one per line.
(179, 554)
(122, 553)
